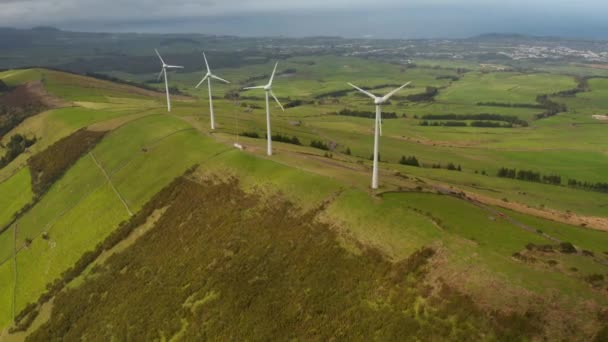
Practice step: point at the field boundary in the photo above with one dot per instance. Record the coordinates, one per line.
(111, 184)
(14, 303)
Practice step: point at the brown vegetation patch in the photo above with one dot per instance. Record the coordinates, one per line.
(593, 222)
(49, 165)
(22, 102)
(226, 265)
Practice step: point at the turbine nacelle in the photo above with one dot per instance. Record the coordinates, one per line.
(268, 87)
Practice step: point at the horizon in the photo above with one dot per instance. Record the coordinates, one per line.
(388, 19)
(489, 34)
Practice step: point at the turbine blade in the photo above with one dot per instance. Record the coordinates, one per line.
(363, 91)
(278, 102)
(219, 78)
(258, 87)
(273, 72)
(201, 82)
(158, 54)
(206, 63)
(160, 75)
(174, 67)
(389, 95)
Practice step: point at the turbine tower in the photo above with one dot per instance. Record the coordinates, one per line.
(268, 89)
(208, 78)
(378, 101)
(163, 73)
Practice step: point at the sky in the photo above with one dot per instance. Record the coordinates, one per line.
(348, 18)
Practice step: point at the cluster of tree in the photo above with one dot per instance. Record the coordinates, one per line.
(450, 166)
(599, 187)
(482, 116)
(16, 145)
(441, 123)
(551, 107)
(448, 77)
(275, 137)
(285, 139)
(410, 160)
(427, 96)
(366, 114)
(336, 93)
(320, 145)
(529, 175)
(232, 94)
(50, 164)
(487, 124)
(297, 103)
(510, 105)
(254, 135)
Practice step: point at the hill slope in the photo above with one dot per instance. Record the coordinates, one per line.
(242, 241)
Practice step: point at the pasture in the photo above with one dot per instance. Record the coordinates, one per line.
(146, 149)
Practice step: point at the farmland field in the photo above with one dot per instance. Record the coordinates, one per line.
(453, 242)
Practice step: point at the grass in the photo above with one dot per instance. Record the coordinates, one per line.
(78, 183)
(505, 88)
(71, 236)
(147, 149)
(16, 193)
(7, 281)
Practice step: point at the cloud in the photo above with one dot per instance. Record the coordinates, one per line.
(114, 14)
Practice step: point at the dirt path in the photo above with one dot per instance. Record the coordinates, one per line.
(499, 214)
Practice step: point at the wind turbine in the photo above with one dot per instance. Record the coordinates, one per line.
(208, 78)
(378, 101)
(163, 73)
(268, 89)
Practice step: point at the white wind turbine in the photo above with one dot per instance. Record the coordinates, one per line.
(378, 101)
(163, 73)
(268, 89)
(208, 78)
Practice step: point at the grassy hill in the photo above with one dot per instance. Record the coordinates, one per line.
(233, 244)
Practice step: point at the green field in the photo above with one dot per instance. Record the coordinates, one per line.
(477, 232)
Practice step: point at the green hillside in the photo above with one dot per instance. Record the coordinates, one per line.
(123, 221)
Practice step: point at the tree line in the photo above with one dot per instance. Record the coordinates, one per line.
(488, 124)
(529, 175)
(482, 116)
(510, 105)
(532, 176)
(16, 145)
(413, 161)
(428, 95)
(598, 187)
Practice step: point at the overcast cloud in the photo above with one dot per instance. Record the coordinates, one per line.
(386, 18)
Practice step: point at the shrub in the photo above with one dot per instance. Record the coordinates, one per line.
(254, 135)
(319, 144)
(567, 248)
(411, 161)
